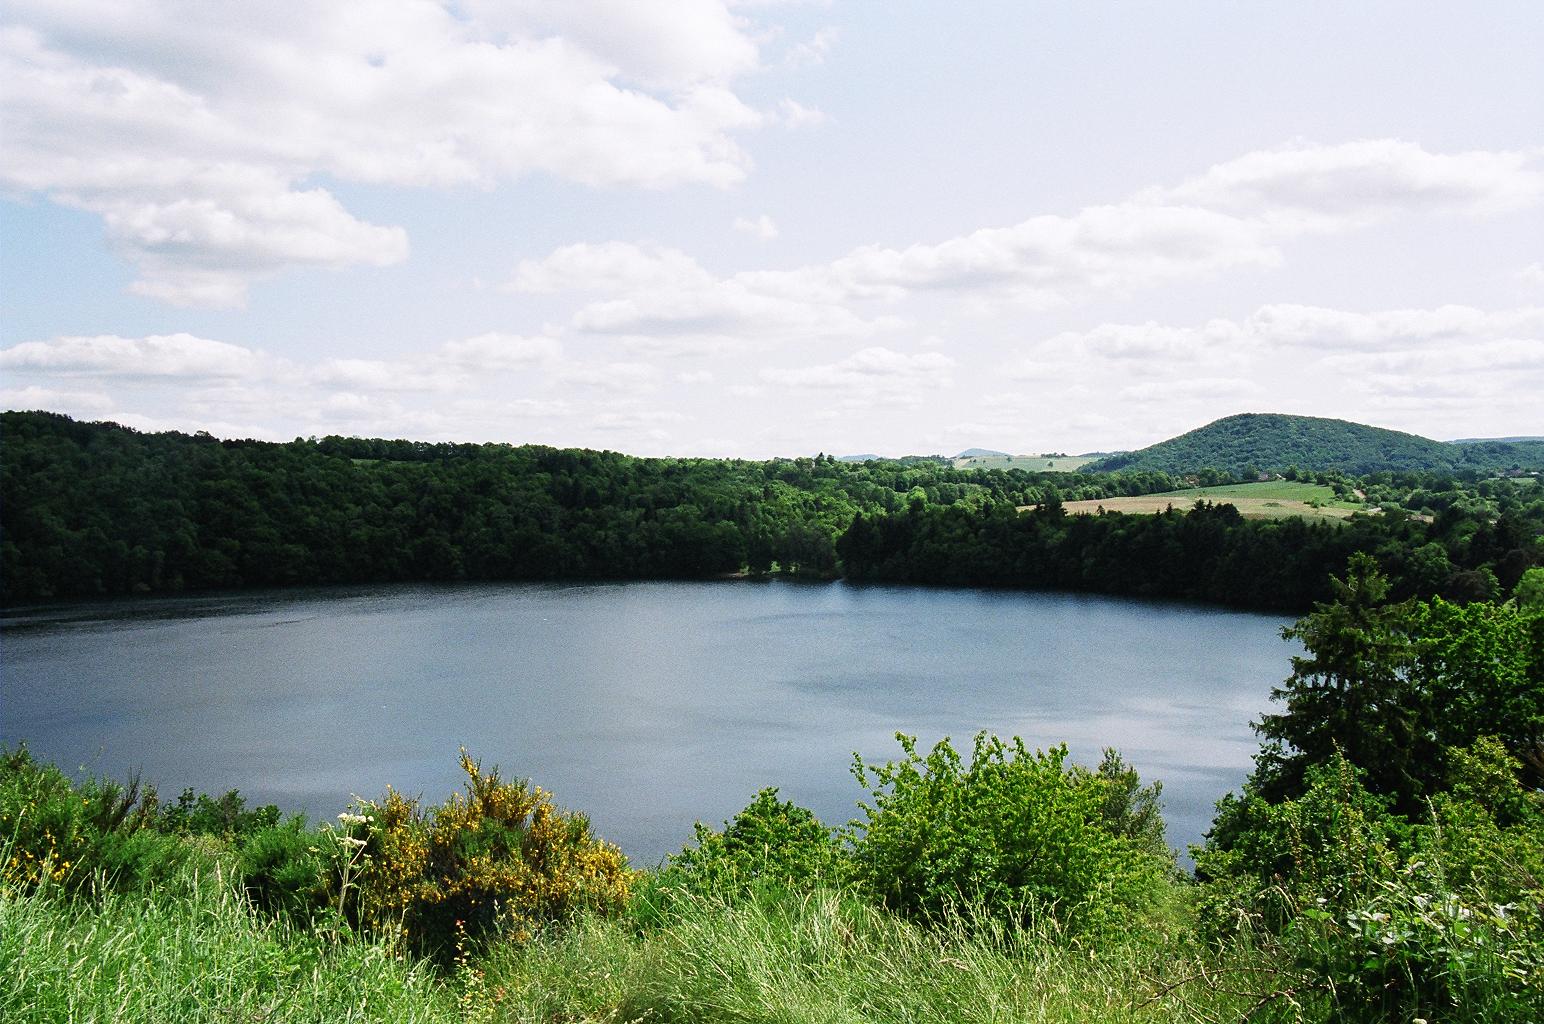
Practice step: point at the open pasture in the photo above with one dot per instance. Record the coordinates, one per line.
(1273, 499)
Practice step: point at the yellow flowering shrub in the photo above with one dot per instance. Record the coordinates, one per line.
(500, 857)
(54, 831)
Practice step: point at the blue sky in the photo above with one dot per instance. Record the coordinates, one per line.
(766, 228)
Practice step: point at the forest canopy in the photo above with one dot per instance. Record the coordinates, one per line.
(91, 509)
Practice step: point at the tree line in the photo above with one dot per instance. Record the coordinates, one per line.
(92, 509)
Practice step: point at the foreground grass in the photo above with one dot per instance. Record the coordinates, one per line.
(826, 957)
(197, 952)
(190, 953)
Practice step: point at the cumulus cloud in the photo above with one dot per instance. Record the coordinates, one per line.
(871, 375)
(498, 351)
(813, 50)
(664, 296)
(792, 114)
(1237, 214)
(608, 266)
(618, 376)
(1191, 388)
(450, 367)
(1410, 361)
(195, 131)
(79, 403)
(1339, 330)
(1317, 187)
(1153, 341)
(1352, 336)
(107, 355)
(760, 227)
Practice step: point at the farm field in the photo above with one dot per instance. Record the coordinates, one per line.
(1039, 463)
(1275, 499)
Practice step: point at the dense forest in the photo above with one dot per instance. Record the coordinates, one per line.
(90, 509)
(1472, 550)
(1250, 443)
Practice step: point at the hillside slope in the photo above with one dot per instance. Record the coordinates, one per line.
(1267, 441)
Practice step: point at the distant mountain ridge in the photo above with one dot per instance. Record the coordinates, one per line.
(1263, 442)
(981, 453)
(1496, 440)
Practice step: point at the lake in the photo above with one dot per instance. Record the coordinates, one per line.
(647, 705)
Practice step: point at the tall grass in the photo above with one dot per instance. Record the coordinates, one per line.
(190, 953)
(827, 957)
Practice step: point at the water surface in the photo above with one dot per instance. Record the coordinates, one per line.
(647, 705)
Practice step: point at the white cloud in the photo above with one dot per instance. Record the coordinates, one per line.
(380, 375)
(1238, 214)
(1191, 388)
(761, 227)
(813, 50)
(1339, 330)
(609, 376)
(1316, 187)
(608, 266)
(498, 351)
(451, 367)
(194, 130)
(793, 115)
(1502, 356)
(664, 296)
(1532, 274)
(1152, 341)
(871, 375)
(167, 355)
(1438, 332)
(79, 403)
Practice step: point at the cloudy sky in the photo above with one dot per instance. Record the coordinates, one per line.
(731, 227)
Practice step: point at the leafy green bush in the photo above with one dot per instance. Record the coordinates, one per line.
(53, 831)
(771, 845)
(227, 816)
(1019, 834)
(1331, 845)
(1395, 919)
(292, 871)
(1415, 947)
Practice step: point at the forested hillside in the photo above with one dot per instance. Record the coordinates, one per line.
(91, 508)
(1262, 442)
(98, 509)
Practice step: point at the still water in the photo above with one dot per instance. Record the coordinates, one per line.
(647, 705)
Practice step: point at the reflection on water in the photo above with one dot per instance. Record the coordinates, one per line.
(648, 705)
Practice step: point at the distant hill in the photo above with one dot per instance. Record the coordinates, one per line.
(1495, 440)
(859, 458)
(1273, 441)
(978, 453)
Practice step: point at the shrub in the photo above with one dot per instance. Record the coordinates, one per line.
(1396, 920)
(225, 816)
(1016, 833)
(290, 870)
(57, 832)
(770, 844)
(1416, 947)
(501, 859)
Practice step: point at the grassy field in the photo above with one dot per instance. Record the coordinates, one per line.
(202, 955)
(1274, 499)
(1039, 463)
